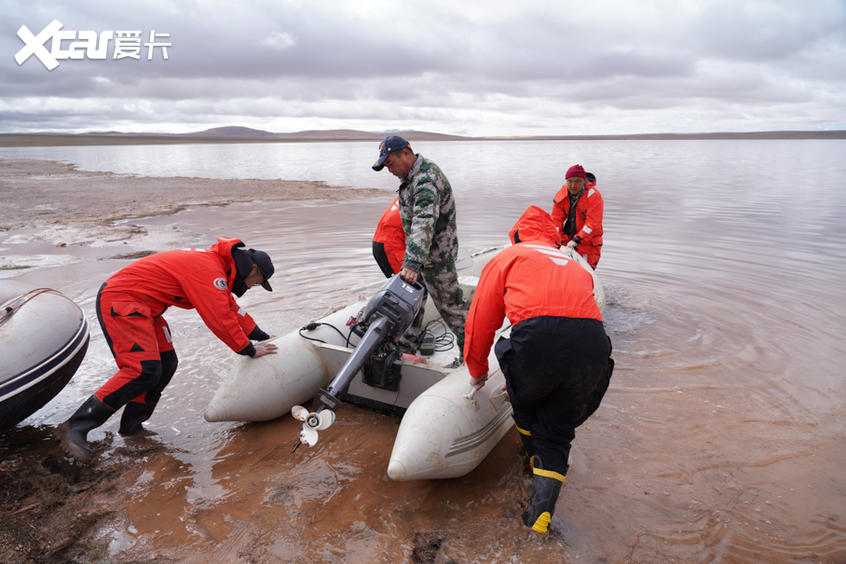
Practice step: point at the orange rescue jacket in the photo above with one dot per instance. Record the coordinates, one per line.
(531, 278)
(389, 232)
(589, 210)
(190, 279)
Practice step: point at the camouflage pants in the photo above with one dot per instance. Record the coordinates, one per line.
(441, 282)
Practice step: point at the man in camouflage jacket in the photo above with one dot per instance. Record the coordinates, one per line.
(427, 209)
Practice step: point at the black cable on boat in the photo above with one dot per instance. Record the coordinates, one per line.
(315, 324)
(444, 340)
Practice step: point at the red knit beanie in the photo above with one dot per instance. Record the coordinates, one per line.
(575, 171)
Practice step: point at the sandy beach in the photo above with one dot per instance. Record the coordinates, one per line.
(38, 192)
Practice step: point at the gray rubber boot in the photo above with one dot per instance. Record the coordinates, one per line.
(74, 431)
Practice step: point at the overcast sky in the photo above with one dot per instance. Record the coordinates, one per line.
(520, 67)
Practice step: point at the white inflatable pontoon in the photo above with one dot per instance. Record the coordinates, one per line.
(43, 339)
(446, 430)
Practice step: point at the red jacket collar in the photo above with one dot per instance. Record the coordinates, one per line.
(223, 248)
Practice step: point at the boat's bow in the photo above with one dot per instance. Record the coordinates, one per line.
(43, 339)
(447, 431)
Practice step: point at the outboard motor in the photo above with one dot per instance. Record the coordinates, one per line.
(383, 319)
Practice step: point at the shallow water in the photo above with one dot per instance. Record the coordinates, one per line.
(721, 437)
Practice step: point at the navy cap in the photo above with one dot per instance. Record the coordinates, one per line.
(391, 144)
(262, 260)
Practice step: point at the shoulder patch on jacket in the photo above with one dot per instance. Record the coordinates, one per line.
(220, 283)
(590, 192)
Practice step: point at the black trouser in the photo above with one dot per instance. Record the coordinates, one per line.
(557, 370)
(382, 259)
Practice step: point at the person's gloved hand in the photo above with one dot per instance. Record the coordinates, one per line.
(572, 244)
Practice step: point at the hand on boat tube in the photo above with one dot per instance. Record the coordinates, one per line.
(572, 244)
(264, 348)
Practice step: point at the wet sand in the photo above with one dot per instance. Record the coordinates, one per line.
(137, 502)
(39, 192)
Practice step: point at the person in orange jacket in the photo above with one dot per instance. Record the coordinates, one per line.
(577, 211)
(389, 241)
(130, 305)
(557, 360)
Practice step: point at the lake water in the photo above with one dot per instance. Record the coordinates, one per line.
(723, 434)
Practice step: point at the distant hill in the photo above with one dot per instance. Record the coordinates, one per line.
(234, 132)
(229, 132)
(239, 134)
(357, 135)
(330, 134)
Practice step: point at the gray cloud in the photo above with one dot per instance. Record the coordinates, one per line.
(485, 68)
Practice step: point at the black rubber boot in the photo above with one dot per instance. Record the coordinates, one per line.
(74, 431)
(528, 444)
(528, 450)
(546, 485)
(133, 415)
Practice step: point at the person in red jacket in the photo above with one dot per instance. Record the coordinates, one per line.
(389, 241)
(577, 212)
(130, 305)
(557, 360)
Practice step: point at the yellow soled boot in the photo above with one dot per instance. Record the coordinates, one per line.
(546, 485)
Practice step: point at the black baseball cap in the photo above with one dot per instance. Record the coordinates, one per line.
(391, 144)
(246, 258)
(262, 260)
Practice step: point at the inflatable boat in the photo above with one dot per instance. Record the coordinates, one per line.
(43, 339)
(447, 428)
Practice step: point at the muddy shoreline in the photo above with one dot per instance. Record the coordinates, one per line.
(40, 192)
(52, 505)
(55, 509)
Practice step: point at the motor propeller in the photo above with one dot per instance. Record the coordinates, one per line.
(313, 421)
